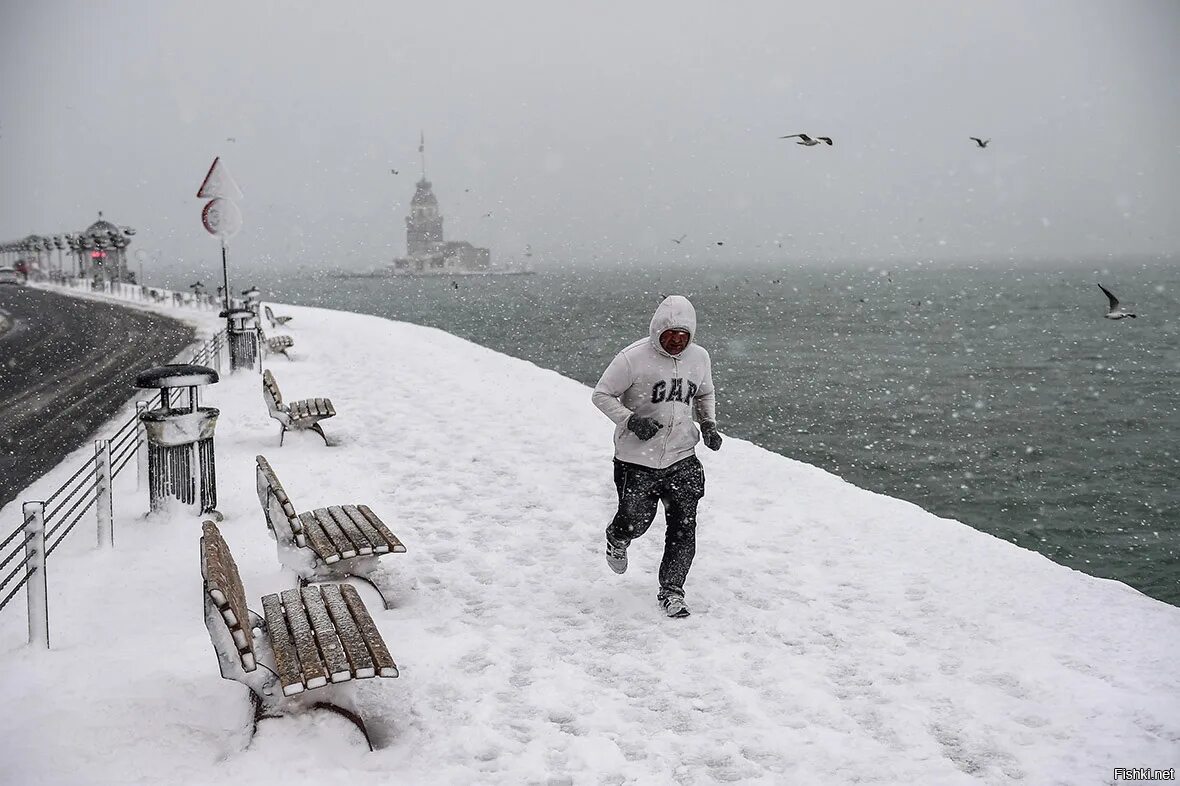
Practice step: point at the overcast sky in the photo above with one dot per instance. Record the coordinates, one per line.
(600, 130)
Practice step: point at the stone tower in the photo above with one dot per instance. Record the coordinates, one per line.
(424, 225)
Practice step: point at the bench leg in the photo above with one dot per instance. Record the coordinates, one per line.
(352, 715)
(282, 433)
(341, 704)
(317, 429)
(380, 592)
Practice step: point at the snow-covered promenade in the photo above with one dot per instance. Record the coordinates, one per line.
(837, 636)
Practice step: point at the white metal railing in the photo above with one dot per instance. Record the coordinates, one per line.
(139, 293)
(46, 523)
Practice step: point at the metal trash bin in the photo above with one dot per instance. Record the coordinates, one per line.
(242, 332)
(181, 464)
(253, 297)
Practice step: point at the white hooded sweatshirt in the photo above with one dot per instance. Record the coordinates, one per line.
(644, 379)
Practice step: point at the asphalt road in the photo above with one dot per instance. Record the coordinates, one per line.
(66, 366)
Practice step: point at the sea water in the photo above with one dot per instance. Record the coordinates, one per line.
(997, 395)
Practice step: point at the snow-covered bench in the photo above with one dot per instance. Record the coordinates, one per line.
(299, 415)
(274, 321)
(311, 642)
(326, 544)
(276, 345)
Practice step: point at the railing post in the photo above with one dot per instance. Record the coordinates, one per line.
(102, 493)
(215, 351)
(141, 449)
(36, 588)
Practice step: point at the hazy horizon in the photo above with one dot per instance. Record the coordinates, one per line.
(595, 136)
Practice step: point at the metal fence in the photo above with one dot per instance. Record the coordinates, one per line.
(47, 523)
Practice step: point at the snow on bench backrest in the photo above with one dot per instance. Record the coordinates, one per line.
(275, 503)
(272, 388)
(223, 584)
(274, 399)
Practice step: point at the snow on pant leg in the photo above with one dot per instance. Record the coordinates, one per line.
(638, 498)
(680, 492)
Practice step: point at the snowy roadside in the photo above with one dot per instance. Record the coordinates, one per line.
(837, 635)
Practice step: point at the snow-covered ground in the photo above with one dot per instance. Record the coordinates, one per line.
(837, 636)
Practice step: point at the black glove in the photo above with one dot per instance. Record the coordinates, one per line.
(644, 428)
(710, 436)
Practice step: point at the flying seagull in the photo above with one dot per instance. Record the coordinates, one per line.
(804, 139)
(1114, 312)
(231, 139)
(980, 142)
(678, 240)
(394, 171)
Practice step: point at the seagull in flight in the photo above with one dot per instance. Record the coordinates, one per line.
(394, 171)
(678, 240)
(1114, 312)
(804, 139)
(980, 142)
(231, 139)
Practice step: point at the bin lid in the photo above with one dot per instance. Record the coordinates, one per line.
(175, 375)
(238, 312)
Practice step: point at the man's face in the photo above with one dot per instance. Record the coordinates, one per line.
(674, 341)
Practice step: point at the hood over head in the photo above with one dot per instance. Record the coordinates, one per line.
(675, 312)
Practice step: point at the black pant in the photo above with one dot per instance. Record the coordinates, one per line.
(680, 487)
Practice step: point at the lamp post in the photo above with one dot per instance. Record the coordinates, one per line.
(85, 261)
(120, 242)
(37, 245)
(75, 249)
(59, 242)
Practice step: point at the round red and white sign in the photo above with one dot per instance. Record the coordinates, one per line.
(221, 217)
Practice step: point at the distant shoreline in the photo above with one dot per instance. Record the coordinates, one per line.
(443, 274)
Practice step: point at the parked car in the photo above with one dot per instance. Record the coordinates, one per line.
(9, 275)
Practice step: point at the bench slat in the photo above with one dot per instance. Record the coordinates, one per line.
(267, 479)
(350, 634)
(314, 673)
(381, 657)
(320, 543)
(354, 533)
(290, 527)
(272, 387)
(380, 546)
(395, 545)
(286, 659)
(224, 585)
(325, 635)
(344, 546)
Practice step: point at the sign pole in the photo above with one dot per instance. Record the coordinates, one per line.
(224, 276)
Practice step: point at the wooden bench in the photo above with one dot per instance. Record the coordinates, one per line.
(274, 321)
(299, 415)
(276, 345)
(304, 651)
(326, 544)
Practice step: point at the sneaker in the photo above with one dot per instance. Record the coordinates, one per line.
(674, 606)
(616, 556)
